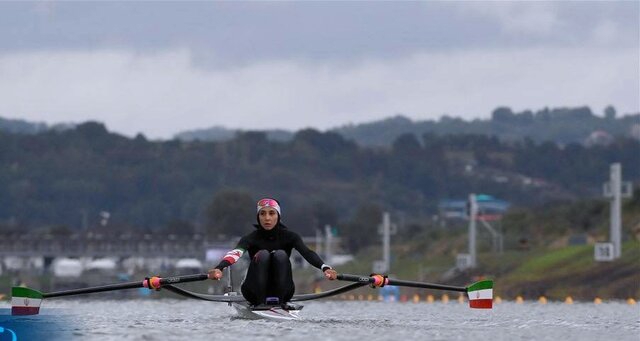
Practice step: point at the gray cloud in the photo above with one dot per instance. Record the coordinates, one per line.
(229, 32)
(163, 93)
(162, 67)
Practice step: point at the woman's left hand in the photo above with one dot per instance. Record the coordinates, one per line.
(330, 274)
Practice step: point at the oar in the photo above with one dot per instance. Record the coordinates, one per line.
(26, 301)
(480, 293)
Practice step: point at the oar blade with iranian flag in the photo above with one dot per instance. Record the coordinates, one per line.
(25, 301)
(481, 294)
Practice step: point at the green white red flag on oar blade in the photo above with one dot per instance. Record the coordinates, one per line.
(481, 294)
(25, 301)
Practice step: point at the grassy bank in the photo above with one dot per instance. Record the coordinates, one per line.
(572, 271)
(553, 273)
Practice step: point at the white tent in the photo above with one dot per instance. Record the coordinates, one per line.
(66, 267)
(188, 263)
(13, 263)
(101, 264)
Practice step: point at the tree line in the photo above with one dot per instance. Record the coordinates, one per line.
(559, 125)
(67, 178)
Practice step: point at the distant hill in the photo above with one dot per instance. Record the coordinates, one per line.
(21, 126)
(548, 251)
(560, 125)
(219, 133)
(17, 126)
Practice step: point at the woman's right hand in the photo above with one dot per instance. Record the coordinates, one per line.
(215, 274)
(331, 274)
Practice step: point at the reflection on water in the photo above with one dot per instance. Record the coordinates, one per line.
(87, 319)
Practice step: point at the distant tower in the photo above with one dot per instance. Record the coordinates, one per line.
(616, 190)
(386, 229)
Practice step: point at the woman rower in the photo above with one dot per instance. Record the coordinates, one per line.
(269, 247)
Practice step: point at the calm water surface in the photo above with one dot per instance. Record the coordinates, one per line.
(168, 319)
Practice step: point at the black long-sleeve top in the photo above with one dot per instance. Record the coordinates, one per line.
(278, 238)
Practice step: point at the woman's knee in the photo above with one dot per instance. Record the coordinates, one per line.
(280, 256)
(261, 256)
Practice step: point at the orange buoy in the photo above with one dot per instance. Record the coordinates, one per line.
(542, 300)
(631, 301)
(497, 300)
(597, 300)
(519, 299)
(568, 300)
(445, 298)
(430, 299)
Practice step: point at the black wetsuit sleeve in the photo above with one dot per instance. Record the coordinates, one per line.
(223, 264)
(233, 255)
(307, 253)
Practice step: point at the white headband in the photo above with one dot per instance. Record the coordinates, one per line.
(266, 202)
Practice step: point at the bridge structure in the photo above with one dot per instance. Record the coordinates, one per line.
(107, 245)
(97, 245)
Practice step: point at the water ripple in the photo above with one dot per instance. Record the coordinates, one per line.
(333, 320)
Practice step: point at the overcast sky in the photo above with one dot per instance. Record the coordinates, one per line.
(163, 67)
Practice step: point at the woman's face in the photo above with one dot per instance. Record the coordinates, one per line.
(268, 217)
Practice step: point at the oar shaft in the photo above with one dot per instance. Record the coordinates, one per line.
(426, 285)
(127, 285)
(390, 281)
(110, 287)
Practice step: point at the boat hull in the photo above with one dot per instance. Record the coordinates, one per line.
(275, 313)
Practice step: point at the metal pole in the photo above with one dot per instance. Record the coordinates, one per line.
(318, 241)
(473, 213)
(386, 241)
(616, 181)
(328, 241)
